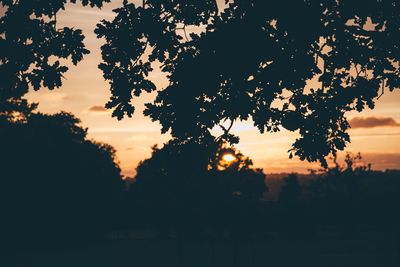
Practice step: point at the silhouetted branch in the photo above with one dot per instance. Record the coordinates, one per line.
(226, 130)
(141, 54)
(184, 31)
(55, 20)
(383, 89)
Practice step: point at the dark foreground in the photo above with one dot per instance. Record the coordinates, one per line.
(327, 249)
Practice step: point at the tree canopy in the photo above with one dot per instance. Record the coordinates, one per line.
(32, 49)
(181, 166)
(186, 185)
(56, 185)
(254, 60)
(299, 65)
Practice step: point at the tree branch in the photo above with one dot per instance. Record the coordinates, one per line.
(144, 49)
(383, 89)
(184, 31)
(226, 130)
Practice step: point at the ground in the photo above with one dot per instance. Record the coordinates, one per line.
(368, 249)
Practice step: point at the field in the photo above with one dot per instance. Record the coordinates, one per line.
(326, 249)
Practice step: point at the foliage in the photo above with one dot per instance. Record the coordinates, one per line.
(254, 60)
(56, 185)
(341, 181)
(33, 49)
(181, 184)
(191, 164)
(290, 190)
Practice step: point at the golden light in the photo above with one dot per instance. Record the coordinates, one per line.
(228, 157)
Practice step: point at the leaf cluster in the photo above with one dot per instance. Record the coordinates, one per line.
(298, 65)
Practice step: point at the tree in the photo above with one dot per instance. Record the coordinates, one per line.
(33, 49)
(341, 182)
(237, 174)
(56, 186)
(290, 190)
(251, 60)
(190, 188)
(183, 186)
(339, 193)
(254, 60)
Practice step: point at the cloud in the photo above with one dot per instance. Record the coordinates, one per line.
(141, 137)
(97, 109)
(74, 97)
(371, 122)
(54, 96)
(382, 161)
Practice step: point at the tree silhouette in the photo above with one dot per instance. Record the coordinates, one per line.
(189, 188)
(181, 186)
(56, 185)
(248, 60)
(241, 179)
(32, 49)
(290, 190)
(342, 181)
(340, 193)
(293, 216)
(254, 60)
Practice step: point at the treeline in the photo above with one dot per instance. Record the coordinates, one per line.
(56, 185)
(230, 203)
(349, 197)
(59, 188)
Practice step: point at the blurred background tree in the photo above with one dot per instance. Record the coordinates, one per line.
(56, 185)
(182, 186)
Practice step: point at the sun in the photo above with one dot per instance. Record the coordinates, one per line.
(228, 157)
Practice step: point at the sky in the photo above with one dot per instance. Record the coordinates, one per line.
(375, 133)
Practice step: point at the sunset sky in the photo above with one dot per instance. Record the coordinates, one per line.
(375, 133)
